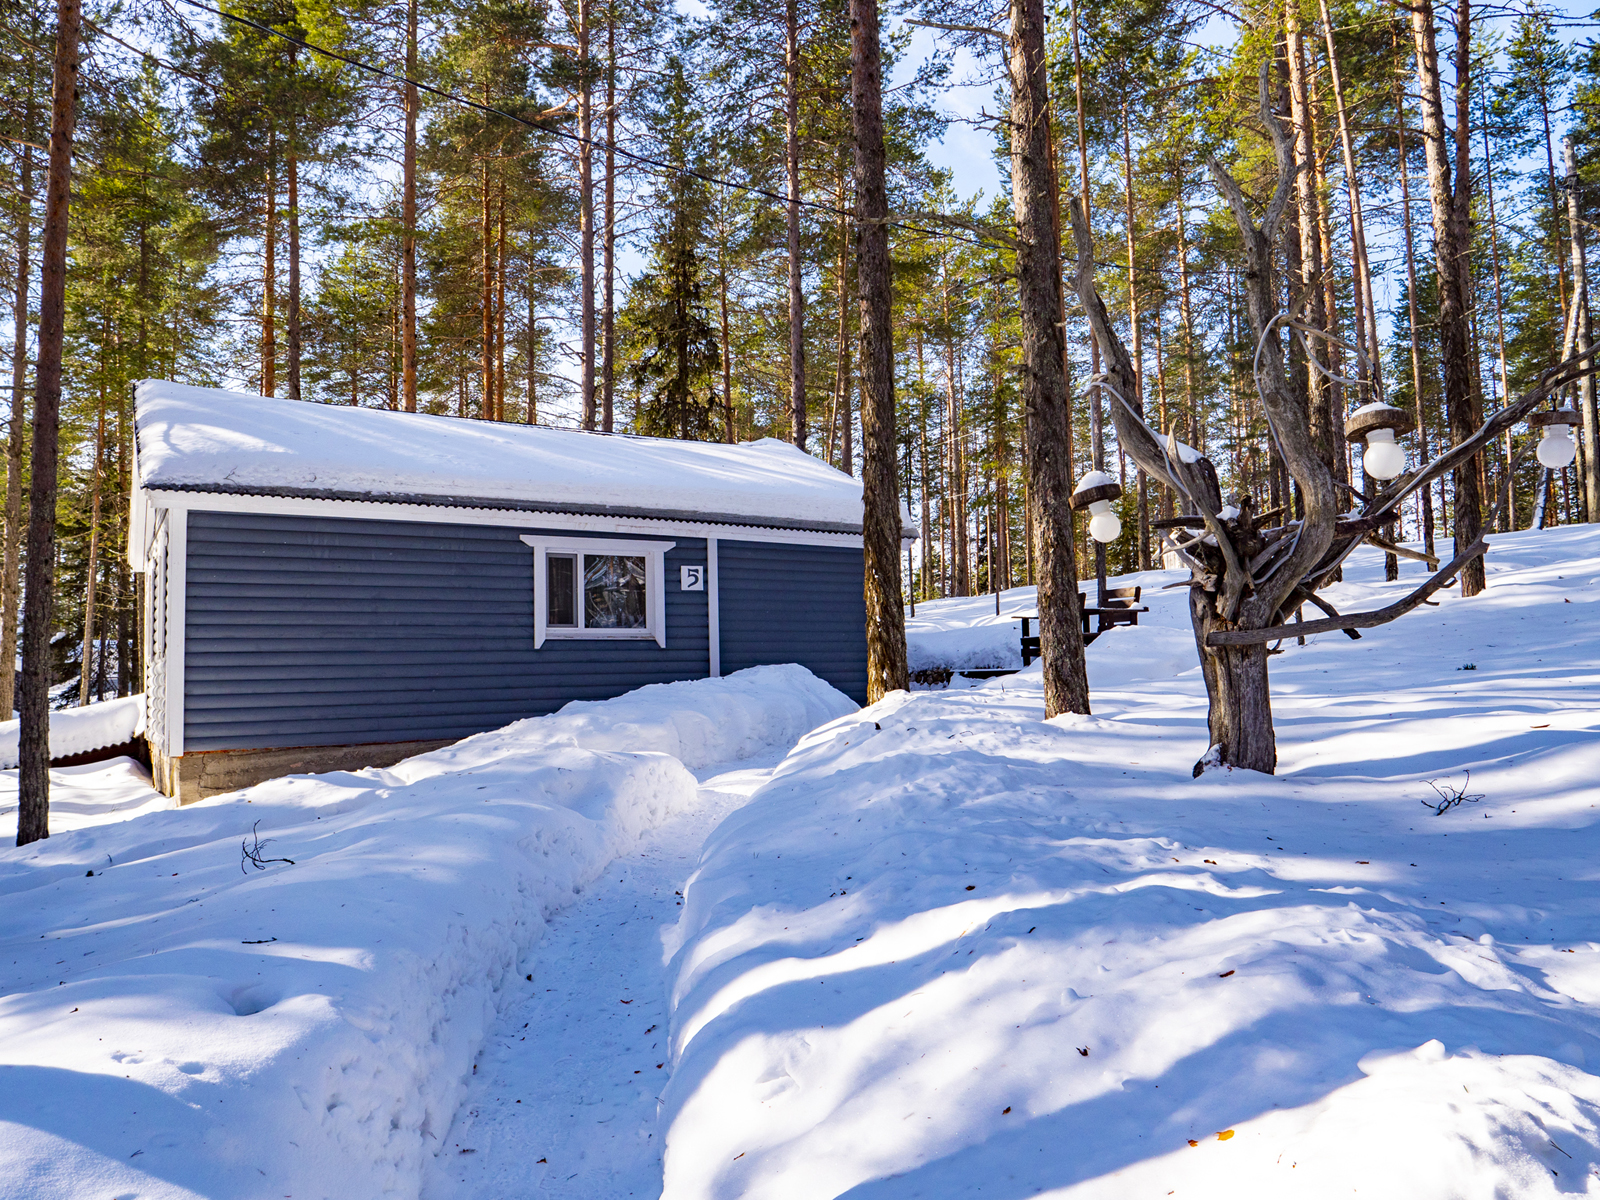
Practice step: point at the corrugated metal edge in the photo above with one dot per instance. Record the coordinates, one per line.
(424, 500)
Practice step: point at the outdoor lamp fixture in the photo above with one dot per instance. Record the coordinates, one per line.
(1379, 424)
(1096, 490)
(1556, 447)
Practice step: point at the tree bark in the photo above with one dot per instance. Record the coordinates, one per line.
(586, 215)
(1044, 382)
(531, 417)
(1451, 200)
(17, 427)
(33, 812)
(1583, 340)
(797, 295)
(269, 276)
(500, 309)
(1425, 498)
(292, 322)
(842, 387)
(608, 314)
(408, 223)
(1366, 310)
(87, 658)
(880, 526)
(1309, 284)
(486, 292)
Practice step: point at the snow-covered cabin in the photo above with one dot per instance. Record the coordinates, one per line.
(334, 587)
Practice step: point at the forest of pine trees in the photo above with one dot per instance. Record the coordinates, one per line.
(634, 216)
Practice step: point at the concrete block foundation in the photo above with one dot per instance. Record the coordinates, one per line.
(191, 777)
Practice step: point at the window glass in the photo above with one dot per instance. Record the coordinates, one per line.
(613, 591)
(562, 590)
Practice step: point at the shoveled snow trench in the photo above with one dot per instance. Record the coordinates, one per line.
(564, 1097)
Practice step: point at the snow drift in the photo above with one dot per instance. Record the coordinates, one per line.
(179, 1021)
(953, 950)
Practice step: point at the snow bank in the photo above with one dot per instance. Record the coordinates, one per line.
(177, 1023)
(206, 437)
(117, 789)
(80, 730)
(951, 949)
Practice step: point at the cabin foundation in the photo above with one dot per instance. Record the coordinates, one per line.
(194, 776)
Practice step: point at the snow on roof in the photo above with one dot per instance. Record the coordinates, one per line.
(207, 439)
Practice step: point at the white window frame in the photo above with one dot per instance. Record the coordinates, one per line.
(655, 588)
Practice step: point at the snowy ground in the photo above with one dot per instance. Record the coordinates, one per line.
(178, 1022)
(565, 1095)
(951, 950)
(93, 794)
(943, 949)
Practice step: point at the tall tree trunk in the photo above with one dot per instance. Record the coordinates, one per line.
(486, 290)
(842, 388)
(797, 295)
(292, 323)
(1309, 284)
(727, 359)
(408, 223)
(586, 214)
(532, 415)
(1451, 203)
(1366, 310)
(1135, 329)
(33, 811)
(960, 567)
(500, 311)
(16, 428)
(608, 313)
(1508, 483)
(1425, 501)
(880, 524)
(94, 554)
(1584, 335)
(269, 276)
(1044, 382)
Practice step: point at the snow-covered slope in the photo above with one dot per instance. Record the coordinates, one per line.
(175, 1022)
(953, 950)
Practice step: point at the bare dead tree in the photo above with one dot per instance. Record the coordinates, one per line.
(1247, 578)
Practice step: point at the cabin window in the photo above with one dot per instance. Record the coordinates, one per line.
(613, 591)
(598, 588)
(562, 590)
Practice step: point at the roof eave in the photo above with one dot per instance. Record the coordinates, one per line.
(422, 499)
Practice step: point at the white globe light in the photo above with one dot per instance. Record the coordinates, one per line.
(1384, 458)
(1556, 447)
(1103, 525)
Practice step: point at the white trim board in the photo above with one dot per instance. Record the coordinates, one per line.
(372, 510)
(713, 612)
(177, 629)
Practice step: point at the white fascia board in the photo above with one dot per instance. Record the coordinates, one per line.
(372, 510)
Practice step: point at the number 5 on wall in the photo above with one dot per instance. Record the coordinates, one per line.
(692, 579)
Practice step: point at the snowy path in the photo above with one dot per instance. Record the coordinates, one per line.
(564, 1098)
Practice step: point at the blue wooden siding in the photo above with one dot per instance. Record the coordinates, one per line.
(321, 631)
(804, 604)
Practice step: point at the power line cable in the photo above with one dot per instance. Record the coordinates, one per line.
(595, 143)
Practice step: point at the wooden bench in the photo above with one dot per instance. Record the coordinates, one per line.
(1121, 607)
